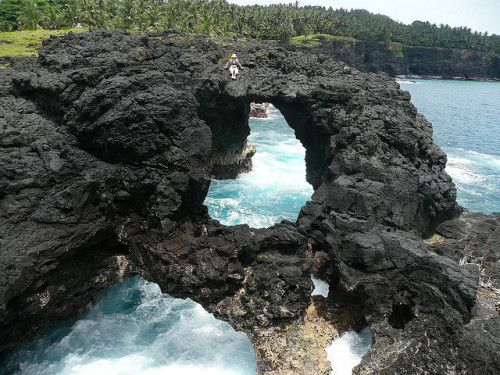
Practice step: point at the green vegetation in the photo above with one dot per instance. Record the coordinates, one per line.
(305, 39)
(315, 39)
(396, 49)
(217, 17)
(25, 42)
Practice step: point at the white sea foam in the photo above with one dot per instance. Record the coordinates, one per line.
(407, 82)
(136, 329)
(472, 168)
(134, 364)
(473, 156)
(477, 176)
(461, 174)
(346, 352)
(321, 288)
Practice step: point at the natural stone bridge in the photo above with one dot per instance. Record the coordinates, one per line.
(108, 140)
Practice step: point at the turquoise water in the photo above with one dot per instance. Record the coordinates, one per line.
(275, 189)
(134, 329)
(466, 120)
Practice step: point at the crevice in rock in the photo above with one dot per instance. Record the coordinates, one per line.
(349, 306)
(401, 315)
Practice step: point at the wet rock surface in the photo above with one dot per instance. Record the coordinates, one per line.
(473, 240)
(107, 141)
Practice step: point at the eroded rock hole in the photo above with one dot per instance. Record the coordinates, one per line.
(135, 329)
(348, 312)
(401, 315)
(275, 188)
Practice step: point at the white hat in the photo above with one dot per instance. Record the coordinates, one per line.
(234, 55)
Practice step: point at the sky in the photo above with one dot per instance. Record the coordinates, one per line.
(479, 15)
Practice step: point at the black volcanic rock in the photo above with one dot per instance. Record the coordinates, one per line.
(107, 141)
(473, 239)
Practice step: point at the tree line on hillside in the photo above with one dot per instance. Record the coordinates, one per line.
(218, 17)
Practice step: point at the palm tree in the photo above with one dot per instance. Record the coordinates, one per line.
(169, 21)
(72, 13)
(128, 12)
(88, 10)
(206, 23)
(153, 15)
(112, 8)
(101, 18)
(53, 19)
(6, 26)
(30, 16)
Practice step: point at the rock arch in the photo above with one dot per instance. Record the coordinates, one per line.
(120, 166)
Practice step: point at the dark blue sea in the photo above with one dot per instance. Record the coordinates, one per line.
(466, 120)
(134, 329)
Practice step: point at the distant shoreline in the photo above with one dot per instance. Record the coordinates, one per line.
(476, 79)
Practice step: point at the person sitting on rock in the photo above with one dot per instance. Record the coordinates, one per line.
(234, 65)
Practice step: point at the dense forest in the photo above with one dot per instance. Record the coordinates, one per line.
(218, 17)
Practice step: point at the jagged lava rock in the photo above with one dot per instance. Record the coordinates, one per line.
(108, 139)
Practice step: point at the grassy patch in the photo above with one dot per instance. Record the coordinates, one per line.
(220, 42)
(304, 39)
(314, 39)
(25, 43)
(436, 238)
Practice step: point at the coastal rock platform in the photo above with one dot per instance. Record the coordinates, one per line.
(107, 142)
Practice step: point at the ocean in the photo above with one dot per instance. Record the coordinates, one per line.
(275, 189)
(466, 120)
(134, 329)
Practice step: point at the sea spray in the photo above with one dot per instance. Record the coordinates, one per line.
(135, 329)
(321, 288)
(346, 352)
(466, 126)
(276, 189)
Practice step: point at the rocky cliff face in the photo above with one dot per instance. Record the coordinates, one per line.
(106, 143)
(397, 59)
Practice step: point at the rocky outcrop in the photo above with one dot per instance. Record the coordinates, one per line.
(472, 239)
(397, 59)
(258, 110)
(107, 140)
(231, 165)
